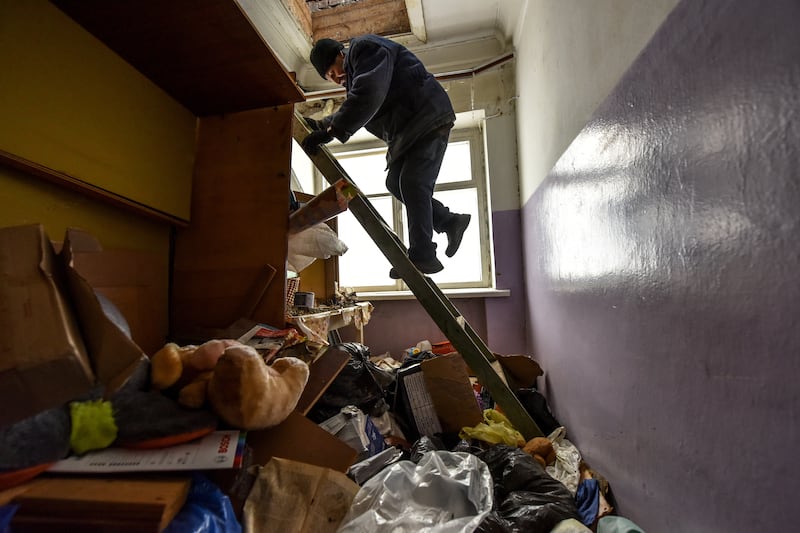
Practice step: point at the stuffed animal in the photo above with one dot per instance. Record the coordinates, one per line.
(187, 369)
(541, 449)
(248, 394)
(233, 379)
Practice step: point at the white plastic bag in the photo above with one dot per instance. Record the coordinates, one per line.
(566, 469)
(317, 242)
(447, 492)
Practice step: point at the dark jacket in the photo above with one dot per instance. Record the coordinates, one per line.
(391, 94)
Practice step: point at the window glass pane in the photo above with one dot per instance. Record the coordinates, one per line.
(303, 168)
(457, 165)
(363, 264)
(465, 266)
(368, 171)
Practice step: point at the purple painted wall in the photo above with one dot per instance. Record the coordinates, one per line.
(506, 324)
(662, 257)
(500, 321)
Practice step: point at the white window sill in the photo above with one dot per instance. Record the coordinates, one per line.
(450, 293)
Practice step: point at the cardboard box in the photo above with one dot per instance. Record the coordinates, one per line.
(43, 360)
(56, 343)
(136, 282)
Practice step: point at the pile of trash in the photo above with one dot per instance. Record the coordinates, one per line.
(415, 473)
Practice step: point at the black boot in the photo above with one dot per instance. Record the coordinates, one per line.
(455, 232)
(428, 266)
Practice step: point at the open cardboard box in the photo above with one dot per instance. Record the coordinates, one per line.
(57, 342)
(135, 281)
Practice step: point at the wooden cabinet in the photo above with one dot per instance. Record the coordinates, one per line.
(231, 258)
(224, 259)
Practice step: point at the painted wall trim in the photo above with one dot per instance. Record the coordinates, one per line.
(450, 293)
(416, 17)
(88, 189)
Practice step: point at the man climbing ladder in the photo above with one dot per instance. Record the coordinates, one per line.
(393, 96)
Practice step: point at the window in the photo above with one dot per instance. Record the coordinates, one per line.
(461, 186)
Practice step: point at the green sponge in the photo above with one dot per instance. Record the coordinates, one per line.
(93, 426)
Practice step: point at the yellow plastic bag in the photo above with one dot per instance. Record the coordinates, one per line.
(495, 429)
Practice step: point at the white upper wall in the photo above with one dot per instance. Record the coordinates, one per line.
(570, 54)
(461, 34)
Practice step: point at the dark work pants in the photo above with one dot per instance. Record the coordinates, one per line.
(411, 179)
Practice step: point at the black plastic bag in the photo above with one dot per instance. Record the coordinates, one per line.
(526, 497)
(536, 405)
(424, 445)
(360, 383)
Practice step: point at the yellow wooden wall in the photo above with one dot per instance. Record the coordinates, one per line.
(29, 200)
(70, 104)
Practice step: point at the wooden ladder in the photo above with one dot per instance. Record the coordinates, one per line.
(463, 338)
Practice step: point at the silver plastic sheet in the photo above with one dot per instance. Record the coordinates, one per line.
(446, 492)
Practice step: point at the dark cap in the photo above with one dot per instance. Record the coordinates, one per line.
(323, 54)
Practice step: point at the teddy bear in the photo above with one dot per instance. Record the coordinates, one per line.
(233, 379)
(541, 449)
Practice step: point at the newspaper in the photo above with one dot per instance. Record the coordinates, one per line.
(217, 450)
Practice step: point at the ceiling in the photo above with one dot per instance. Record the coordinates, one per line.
(481, 31)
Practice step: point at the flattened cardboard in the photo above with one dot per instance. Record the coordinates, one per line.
(521, 370)
(447, 381)
(299, 439)
(113, 355)
(43, 359)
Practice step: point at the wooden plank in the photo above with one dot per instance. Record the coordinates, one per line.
(149, 504)
(205, 54)
(449, 320)
(85, 524)
(322, 373)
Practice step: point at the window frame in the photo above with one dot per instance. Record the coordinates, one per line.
(474, 135)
